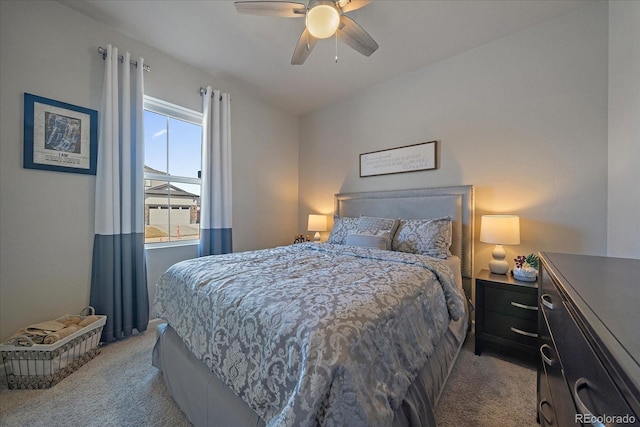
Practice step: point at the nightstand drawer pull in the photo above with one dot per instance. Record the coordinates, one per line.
(549, 361)
(526, 307)
(582, 408)
(546, 301)
(521, 332)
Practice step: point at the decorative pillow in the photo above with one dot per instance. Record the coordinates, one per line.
(424, 236)
(341, 227)
(385, 227)
(367, 241)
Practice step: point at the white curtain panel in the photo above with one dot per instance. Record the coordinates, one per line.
(118, 279)
(215, 201)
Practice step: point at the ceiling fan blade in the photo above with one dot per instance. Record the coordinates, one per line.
(350, 5)
(284, 9)
(355, 36)
(305, 45)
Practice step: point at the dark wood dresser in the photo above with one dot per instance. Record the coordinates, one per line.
(589, 340)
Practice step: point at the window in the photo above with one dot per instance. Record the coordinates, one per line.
(172, 162)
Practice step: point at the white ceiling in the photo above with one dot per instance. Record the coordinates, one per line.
(256, 50)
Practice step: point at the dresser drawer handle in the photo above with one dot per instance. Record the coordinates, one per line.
(548, 360)
(521, 332)
(526, 307)
(582, 408)
(546, 301)
(542, 403)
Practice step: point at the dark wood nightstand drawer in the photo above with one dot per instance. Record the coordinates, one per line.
(511, 328)
(512, 302)
(506, 313)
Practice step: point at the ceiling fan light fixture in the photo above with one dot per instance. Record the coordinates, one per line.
(323, 21)
(324, 18)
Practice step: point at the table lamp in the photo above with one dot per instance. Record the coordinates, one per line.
(317, 223)
(500, 230)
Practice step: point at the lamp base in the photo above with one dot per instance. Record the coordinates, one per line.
(316, 237)
(498, 265)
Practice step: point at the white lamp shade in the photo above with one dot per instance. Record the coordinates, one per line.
(317, 223)
(323, 21)
(500, 229)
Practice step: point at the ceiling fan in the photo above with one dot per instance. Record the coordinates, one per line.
(323, 19)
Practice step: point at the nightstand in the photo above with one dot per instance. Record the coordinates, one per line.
(506, 313)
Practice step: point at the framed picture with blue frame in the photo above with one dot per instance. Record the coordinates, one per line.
(59, 136)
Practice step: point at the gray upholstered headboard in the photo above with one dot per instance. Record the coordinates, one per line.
(422, 203)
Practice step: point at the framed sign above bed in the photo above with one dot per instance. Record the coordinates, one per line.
(410, 158)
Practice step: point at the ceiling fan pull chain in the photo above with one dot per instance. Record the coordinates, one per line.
(336, 47)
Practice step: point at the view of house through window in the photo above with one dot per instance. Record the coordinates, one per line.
(172, 163)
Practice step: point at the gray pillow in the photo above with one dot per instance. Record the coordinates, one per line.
(367, 241)
(341, 227)
(385, 227)
(424, 236)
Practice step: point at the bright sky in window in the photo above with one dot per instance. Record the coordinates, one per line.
(183, 140)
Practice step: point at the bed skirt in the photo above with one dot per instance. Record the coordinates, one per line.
(206, 401)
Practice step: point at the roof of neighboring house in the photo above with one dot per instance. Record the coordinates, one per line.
(152, 170)
(163, 190)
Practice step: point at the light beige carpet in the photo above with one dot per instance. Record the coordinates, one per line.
(121, 388)
(488, 390)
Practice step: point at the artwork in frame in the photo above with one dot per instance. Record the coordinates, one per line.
(59, 136)
(410, 158)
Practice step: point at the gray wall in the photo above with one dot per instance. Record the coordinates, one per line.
(524, 119)
(46, 218)
(624, 130)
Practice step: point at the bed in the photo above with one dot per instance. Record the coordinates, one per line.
(355, 333)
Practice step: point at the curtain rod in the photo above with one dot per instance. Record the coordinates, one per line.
(102, 51)
(203, 90)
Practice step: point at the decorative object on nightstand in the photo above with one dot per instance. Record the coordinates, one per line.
(526, 268)
(506, 313)
(500, 230)
(317, 223)
(300, 238)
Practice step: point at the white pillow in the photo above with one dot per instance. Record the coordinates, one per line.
(367, 241)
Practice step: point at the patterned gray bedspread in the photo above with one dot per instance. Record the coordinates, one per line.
(312, 334)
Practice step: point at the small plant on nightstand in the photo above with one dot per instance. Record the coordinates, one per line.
(526, 268)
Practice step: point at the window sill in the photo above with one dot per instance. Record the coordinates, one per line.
(167, 245)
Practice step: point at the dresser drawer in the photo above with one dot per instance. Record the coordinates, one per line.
(559, 398)
(515, 303)
(549, 295)
(591, 386)
(516, 329)
(546, 413)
